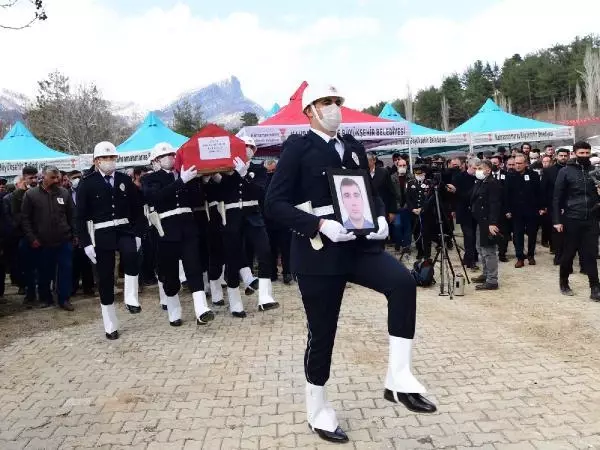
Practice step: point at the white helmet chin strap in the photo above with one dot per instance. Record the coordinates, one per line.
(316, 114)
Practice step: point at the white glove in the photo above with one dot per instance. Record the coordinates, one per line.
(217, 177)
(336, 232)
(138, 243)
(91, 253)
(382, 232)
(205, 179)
(240, 166)
(188, 175)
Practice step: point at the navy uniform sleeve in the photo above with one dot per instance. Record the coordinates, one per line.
(279, 200)
(137, 208)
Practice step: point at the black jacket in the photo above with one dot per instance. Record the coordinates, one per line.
(165, 193)
(98, 201)
(301, 176)
(486, 207)
(463, 182)
(381, 182)
(47, 216)
(419, 194)
(548, 181)
(523, 194)
(575, 193)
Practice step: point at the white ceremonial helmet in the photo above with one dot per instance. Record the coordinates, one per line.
(312, 93)
(105, 148)
(161, 149)
(249, 140)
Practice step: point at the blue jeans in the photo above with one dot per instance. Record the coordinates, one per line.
(402, 228)
(55, 263)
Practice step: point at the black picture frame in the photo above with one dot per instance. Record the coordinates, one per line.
(361, 179)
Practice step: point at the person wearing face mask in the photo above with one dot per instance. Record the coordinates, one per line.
(111, 218)
(402, 220)
(463, 183)
(534, 157)
(505, 224)
(576, 195)
(325, 256)
(242, 190)
(486, 207)
(170, 193)
(548, 182)
(524, 204)
(419, 192)
(82, 266)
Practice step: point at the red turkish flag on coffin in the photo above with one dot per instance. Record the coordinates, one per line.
(211, 150)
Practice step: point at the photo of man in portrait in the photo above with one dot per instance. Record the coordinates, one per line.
(352, 198)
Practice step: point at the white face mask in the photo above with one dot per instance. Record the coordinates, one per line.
(249, 153)
(480, 174)
(167, 162)
(402, 170)
(107, 167)
(332, 116)
(420, 177)
(75, 183)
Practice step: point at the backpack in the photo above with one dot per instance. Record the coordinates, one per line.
(423, 272)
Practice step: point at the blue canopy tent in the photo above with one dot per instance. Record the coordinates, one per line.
(149, 133)
(20, 145)
(491, 126)
(274, 110)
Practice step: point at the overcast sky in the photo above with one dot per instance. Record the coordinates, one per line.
(149, 51)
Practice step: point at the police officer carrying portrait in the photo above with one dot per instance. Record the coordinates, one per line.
(325, 257)
(111, 218)
(419, 200)
(240, 192)
(167, 192)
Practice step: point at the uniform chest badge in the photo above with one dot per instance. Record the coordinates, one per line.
(413, 186)
(122, 187)
(355, 158)
(60, 201)
(251, 174)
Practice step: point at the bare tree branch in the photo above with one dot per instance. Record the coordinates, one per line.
(39, 14)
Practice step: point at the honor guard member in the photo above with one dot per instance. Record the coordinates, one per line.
(214, 230)
(325, 256)
(111, 218)
(167, 192)
(240, 191)
(418, 199)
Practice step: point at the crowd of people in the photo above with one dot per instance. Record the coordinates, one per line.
(498, 198)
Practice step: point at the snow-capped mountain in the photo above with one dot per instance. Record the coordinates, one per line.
(222, 102)
(12, 106)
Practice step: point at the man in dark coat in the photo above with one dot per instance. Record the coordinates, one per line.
(486, 204)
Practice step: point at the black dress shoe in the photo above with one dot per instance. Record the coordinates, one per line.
(337, 436)
(413, 402)
(486, 287)
(239, 314)
(287, 278)
(565, 289)
(268, 306)
(176, 323)
(134, 309)
(219, 303)
(595, 294)
(254, 284)
(205, 318)
(479, 279)
(46, 305)
(502, 258)
(164, 307)
(112, 336)
(248, 291)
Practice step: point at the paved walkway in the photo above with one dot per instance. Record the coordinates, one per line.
(513, 369)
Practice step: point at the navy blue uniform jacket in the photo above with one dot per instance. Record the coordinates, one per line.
(301, 175)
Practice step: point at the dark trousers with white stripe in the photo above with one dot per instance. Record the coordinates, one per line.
(322, 299)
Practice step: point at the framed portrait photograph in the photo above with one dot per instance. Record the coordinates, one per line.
(353, 200)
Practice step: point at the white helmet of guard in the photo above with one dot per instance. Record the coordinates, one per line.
(105, 148)
(161, 149)
(312, 93)
(249, 140)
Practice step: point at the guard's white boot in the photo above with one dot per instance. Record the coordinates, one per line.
(321, 416)
(131, 294)
(235, 302)
(249, 280)
(222, 277)
(400, 384)
(203, 312)
(174, 309)
(162, 295)
(216, 293)
(111, 323)
(265, 295)
(182, 277)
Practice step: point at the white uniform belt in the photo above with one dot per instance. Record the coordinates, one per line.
(241, 204)
(199, 208)
(110, 223)
(211, 204)
(323, 211)
(174, 212)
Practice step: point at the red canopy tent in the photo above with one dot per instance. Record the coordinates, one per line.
(291, 120)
